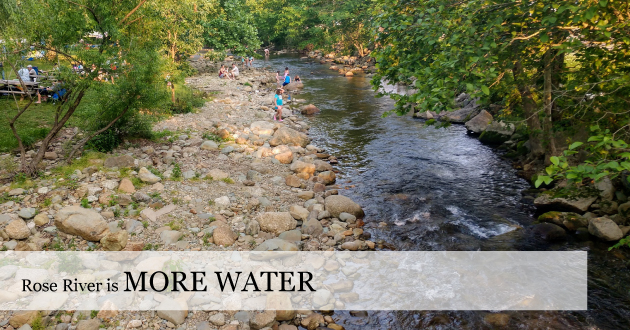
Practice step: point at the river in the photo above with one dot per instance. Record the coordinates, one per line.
(439, 189)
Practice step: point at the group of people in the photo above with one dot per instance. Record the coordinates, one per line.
(230, 74)
(286, 79)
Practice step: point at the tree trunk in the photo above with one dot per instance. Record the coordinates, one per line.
(548, 104)
(173, 92)
(529, 110)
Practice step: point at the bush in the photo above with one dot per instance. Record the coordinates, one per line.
(186, 100)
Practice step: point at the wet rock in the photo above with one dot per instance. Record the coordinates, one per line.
(581, 205)
(276, 244)
(17, 229)
(309, 110)
(27, 213)
(87, 223)
(119, 162)
(126, 186)
(276, 222)
(327, 177)
(148, 177)
(605, 229)
(549, 232)
(285, 135)
(114, 241)
(479, 123)
(223, 236)
(336, 204)
(569, 220)
(497, 132)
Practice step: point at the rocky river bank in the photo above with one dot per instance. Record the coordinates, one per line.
(225, 178)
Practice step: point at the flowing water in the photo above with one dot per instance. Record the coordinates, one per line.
(440, 189)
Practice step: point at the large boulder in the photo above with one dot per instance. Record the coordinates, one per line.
(579, 205)
(285, 135)
(262, 128)
(605, 229)
(303, 167)
(87, 223)
(549, 232)
(460, 116)
(479, 123)
(309, 110)
(337, 204)
(120, 161)
(606, 188)
(276, 222)
(497, 132)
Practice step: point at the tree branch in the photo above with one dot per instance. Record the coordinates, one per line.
(133, 11)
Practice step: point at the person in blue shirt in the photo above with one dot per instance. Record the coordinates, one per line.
(287, 80)
(278, 98)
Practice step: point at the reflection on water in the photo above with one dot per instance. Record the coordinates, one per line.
(439, 189)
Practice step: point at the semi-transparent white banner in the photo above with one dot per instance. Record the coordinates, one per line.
(415, 280)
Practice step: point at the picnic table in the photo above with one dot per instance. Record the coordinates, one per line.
(15, 87)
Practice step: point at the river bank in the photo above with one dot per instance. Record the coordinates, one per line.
(225, 178)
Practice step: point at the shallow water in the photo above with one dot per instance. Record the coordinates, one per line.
(440, 189)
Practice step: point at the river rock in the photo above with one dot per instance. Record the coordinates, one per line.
(27, 213)
(298, 212)
(91, 324)
(460, 116)
(276, 244)
(285, 157)
(479, 123)
(17, 229)
(172, 310)
(209, 145)
(606, 188)
(146, 176)
(276, 222)
(262, 127)
(497, 132)
(223, 236)
(322, 166)
(312, 227)
(115, 241)
(288, 136)
(170, 236)
(569, 220)
(336, 204)
(581, 205)
(549, 232)
(119, 162)
(302, 167)
(262, 320)
(126, 186)
(351, 246)
(327, 177)
(87, 223)
(426, 115)
(605, 229)
(41, 219)
(309, 110)
(217, 319)
(293, 86)
(217, 174)
(21, 318)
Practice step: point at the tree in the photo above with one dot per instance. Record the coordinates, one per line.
(540, 59)
(123, 52)
(229, 26)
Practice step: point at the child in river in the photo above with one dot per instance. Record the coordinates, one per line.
(278, 98)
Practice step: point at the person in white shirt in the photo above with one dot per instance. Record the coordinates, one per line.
(24, 73)
(234, 72)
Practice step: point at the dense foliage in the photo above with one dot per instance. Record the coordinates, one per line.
(553, 64)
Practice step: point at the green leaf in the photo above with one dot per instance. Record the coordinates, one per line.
(540, 179)
(554, 160)
(575, 145)
(485, 90)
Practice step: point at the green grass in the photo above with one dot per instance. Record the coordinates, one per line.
(79, 164)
